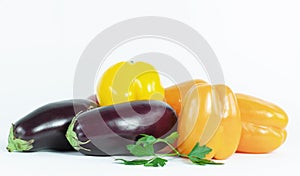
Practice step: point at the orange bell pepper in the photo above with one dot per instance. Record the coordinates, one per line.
(174, 95)
(263, 125)
(201, 104)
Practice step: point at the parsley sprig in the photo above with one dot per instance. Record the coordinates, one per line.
(145, 147)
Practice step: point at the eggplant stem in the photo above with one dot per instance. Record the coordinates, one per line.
(89, 108)
(16, 144)
(72, 136)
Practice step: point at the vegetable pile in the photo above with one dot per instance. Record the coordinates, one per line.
(132, 114)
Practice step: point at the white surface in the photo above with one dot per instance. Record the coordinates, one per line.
(257, 43)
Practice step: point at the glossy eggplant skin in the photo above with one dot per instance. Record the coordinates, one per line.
(118, 127)
(45, 127)
(94, 99)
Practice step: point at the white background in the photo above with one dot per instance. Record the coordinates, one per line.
(257, 43)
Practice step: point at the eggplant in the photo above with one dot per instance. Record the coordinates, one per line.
(94, 99)
(45, 127)
(106, 131)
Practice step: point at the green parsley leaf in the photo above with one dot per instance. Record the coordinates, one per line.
(203, 162)
(153, 162)
(138, 150)
(146, 140)
(199, 151)
(144, 147)
(156, 162)
(198, 154)
(171, 138)
(133, 162)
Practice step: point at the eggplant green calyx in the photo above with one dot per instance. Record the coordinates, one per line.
(73, 139)
(16, 144)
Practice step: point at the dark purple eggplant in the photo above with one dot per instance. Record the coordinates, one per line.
(45, 127)
(94, 99)
(106, 131)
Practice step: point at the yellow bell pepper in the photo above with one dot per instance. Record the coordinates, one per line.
(263, 125)
(199, 105)
(128, 81)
